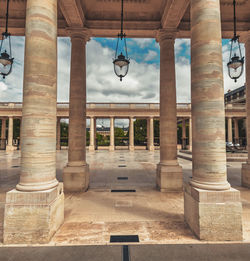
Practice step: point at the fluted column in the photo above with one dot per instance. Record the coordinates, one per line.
(236, 131)
(211, 208)
(229, 130)
(58, 134)
(245, 172)
(184, 134)
(3, 134)
(92, 134)
(75, 174)
(35, 209)
(131, 134)
(169, 173)
(10, 146)
(150, 133)
(112, 135)
(190, 134)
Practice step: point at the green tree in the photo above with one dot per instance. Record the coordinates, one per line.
(140, 132)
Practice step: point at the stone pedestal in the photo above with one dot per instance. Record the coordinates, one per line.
(169, 177)
(76, 178)
(213, 215)
(245, 175)
(33, 217)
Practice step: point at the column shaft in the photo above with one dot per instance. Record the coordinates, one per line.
(131, 134)
(92, 135)
(169, 173)
(58, 134)
(150, 133)
(245, 173)
(236, 131)
(38, 141)
(229, 130)
(112, 134)
(3, 134)
(10, 146)
(95, 142)
(75, 175)
(190, 134)
(183, 134)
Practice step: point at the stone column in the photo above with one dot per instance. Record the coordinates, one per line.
(229, 130)
(112, 135)
(10, 146)
(169, 173)
(190, 134)
(150, 134)
(245, 172)
(58, 134)
(92, 135)
(236, 131)
(184, 134)
(211, 208)
(35, 209)
(95, 143)
(131, 134)
(3, 134)
(76, 173)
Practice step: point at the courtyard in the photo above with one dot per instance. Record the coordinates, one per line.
(92, 217)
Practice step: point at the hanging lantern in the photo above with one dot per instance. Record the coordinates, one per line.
(236, 61)
(121, 62)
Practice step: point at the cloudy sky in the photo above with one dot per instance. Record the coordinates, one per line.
(140, 85)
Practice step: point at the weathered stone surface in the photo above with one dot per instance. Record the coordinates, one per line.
(76, 178)
(33, 217)
(169, 178)
(245, 175)
(213, 219)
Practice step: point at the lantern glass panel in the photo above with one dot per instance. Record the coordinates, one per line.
(121, 71)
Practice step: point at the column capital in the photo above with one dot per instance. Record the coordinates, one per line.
(79, 32)
(165, 35)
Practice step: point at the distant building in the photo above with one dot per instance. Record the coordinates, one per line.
(236, 96)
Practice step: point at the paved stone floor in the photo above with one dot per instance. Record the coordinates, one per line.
(91, 217)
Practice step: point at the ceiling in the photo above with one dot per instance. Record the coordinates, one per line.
(142, 17)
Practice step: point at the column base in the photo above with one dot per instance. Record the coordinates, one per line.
(76, 178)
(151, 148)
(131, 148)
(169, 178)
(91, 148)
(10, 148)
(245, 175)
(213, 215)
(111, 148)
(33, 217)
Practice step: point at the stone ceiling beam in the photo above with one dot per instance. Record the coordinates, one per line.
(72, 12)
(173, 13)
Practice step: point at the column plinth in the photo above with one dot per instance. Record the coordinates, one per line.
(211, 208)
(169, 173)
(112, 135)
(10, 146)
(35, 209)
(245, 171)
(76, 173)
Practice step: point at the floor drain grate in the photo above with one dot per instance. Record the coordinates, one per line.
(122, 166)
(125, 253)
(123, 190)
(15, 166)
(122, 178)
(124, 239)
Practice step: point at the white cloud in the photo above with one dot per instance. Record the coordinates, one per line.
(150, 55)
(143, 42)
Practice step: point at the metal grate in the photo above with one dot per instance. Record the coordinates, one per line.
(122, 178)
(122, 166)
(123, 190)
(124, 239)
